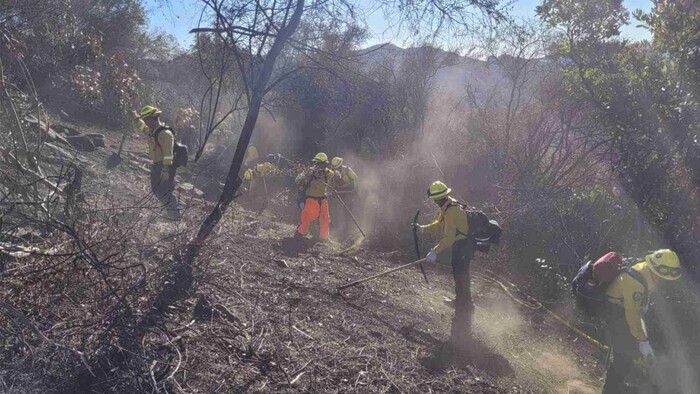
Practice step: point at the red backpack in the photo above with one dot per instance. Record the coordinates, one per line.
(606, 268)
(593, 278)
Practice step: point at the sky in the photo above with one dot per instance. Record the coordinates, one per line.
(179, 16)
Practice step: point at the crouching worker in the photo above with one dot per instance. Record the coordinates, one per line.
(314, 203)
(161, 146)
(454, 226)
(628, 299)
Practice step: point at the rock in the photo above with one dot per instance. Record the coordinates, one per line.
(97, 139)
(81, 143)
(65, 129)
(281, 263)
(49, 132)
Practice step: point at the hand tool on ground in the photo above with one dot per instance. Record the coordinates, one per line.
(415, 245)
(379, 275)
(115, 159)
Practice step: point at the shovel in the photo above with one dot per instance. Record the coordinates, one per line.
(115, 159)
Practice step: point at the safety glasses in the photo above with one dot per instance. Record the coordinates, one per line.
(674, 272)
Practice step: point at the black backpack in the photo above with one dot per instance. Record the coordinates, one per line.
(590, 295)
(180, 152)
(482, 230)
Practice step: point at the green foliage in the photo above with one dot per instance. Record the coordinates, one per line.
(81, 54)
(646, 116)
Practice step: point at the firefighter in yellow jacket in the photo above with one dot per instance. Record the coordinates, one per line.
(345, 187)
(628, 299)
(313, 182)
(347, 177)
(263, 170)
(454, 227)
(161, 145)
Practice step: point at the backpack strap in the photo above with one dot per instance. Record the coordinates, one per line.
(639, 278)
(462, 206)
(158, 130)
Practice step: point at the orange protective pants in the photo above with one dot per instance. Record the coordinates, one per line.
(313, 209)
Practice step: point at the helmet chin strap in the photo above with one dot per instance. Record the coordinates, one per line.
(441, 201)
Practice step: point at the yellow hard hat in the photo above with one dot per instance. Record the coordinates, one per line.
(665, 263)
(149, 111)
(336, 162)
(320, 158)
(251, 153)
(248, 175)
(438, 190)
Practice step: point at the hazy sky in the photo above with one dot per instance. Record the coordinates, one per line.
(181, 15)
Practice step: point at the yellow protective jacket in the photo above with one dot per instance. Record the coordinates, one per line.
(348, 177)
(452, 222)
(314, 181)
(262, 170)
(628, 293)
(163, 150)
(266, 170)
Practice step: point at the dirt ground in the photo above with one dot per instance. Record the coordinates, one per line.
(274, 320)
(384, 336)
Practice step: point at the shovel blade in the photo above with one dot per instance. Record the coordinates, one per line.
(113, 161)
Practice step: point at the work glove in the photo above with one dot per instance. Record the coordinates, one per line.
(431, 257)
(645, 349)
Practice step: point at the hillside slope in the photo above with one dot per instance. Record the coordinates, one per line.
(385, 336)
(266, 320)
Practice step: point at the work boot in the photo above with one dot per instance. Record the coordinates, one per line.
(461, 331)
(460, 338)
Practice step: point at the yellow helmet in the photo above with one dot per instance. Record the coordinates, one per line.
(438, 190)
(336, 162)
(665, 263)
(248, 175)
(251, 154)
(149, 111)
(320, 158)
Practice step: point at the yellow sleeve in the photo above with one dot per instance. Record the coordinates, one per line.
(166, 140)
(351, 175)
(633, 294)
(141, 126)
(450, 231)
(433, 227)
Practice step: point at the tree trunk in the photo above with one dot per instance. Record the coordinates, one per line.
(179, 282)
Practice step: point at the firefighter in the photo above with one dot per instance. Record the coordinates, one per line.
(628, 299)
(345, 187)
(314, 200)
(453, 224)
(161, 144)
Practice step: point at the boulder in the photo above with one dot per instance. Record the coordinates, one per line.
(97, 139)
(81, 143)
(49, 133)
(65, 129)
